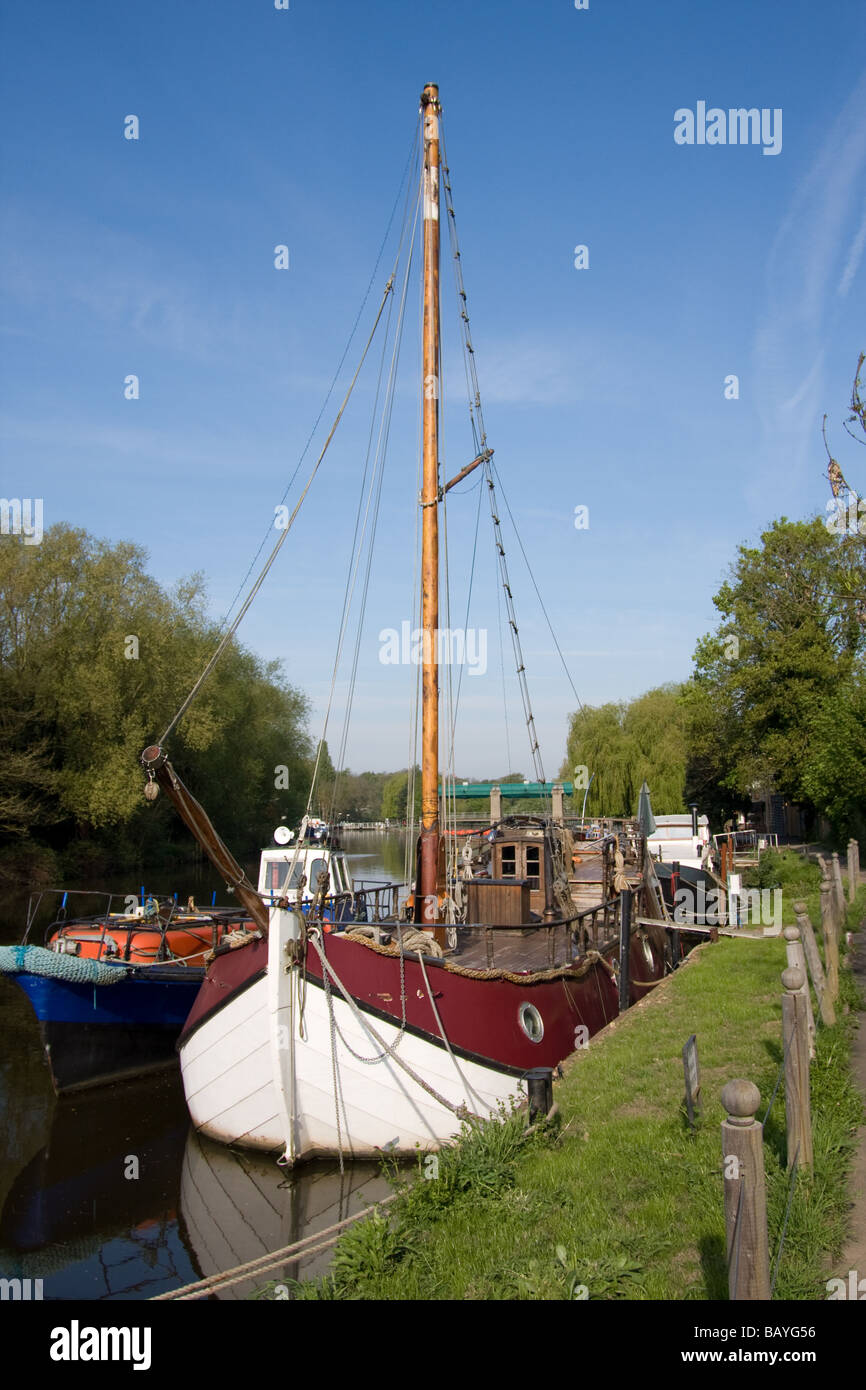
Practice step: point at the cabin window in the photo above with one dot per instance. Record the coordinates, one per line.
(533, 870)
(277, 874)
(509, 861)
(317, 866)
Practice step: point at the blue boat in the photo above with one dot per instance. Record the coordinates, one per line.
(112, 992)
(99, 1030)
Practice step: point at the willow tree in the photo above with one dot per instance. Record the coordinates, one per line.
(619, 745)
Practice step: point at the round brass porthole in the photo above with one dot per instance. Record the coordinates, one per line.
(531, 1022)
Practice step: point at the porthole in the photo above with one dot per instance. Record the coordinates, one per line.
(531, 1022)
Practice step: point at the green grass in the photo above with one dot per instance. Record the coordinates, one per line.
(798, 877)
(624, 1200)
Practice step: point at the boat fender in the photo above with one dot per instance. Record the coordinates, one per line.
(35, 960)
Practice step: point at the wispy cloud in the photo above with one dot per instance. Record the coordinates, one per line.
(819, 245)
(527, 372)
(109, 280)
(527, 369)
(854, 257)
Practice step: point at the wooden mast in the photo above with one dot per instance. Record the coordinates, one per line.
(429, 848)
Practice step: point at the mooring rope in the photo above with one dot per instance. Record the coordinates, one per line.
(460, 1111)
(464, 1083)
(308, 1245)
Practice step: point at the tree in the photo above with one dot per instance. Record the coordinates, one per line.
(395, 794)
(835, 776)
(621, 745)
(95, 659)
(765, 686)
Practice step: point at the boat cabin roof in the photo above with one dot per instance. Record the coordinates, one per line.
(309, 859)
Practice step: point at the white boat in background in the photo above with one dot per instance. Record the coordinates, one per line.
(301, 869)
(677, 839)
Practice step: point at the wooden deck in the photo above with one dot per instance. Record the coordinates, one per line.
(516, 949)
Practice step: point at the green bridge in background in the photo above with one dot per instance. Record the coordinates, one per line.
(470, 790)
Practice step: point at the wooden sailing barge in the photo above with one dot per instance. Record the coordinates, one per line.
(313, 1038)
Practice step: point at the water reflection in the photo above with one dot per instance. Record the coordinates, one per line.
(93, 1214)
(238, 1206)
(80, 1215)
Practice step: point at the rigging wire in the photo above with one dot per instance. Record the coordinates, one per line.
(404, 179)
(355, 551)
(469, 592)
(378, 473)
(449, 800)
(535, 587)
(502, 673)
(230, 631)
(480, 438)
(375, 492)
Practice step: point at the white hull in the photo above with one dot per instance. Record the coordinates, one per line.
(251, 1080)
(234, 1097)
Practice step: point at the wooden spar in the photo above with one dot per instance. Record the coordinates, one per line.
(427, 909)
(195, 818)
(464, 472)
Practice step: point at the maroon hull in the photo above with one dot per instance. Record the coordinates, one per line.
(480, 1016)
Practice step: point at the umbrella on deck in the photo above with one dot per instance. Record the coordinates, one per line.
(645, 816)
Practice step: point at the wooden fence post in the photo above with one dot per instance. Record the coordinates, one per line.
(856, 844)
(795, 1040)
(745, 1193)
(831, 949)
(813, 960)
(797, 961)
(852, 872)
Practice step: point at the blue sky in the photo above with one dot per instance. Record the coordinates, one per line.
(602, 387)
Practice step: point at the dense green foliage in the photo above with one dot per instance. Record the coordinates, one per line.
(776, 703)
(395, 795)
(625, 744)
(788, 870)
(778, 692)
(95, 658)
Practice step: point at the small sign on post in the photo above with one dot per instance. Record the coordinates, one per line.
(692, 1071)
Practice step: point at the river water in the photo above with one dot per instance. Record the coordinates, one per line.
(109, 1194)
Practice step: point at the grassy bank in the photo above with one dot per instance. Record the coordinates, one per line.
(625, 1200)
